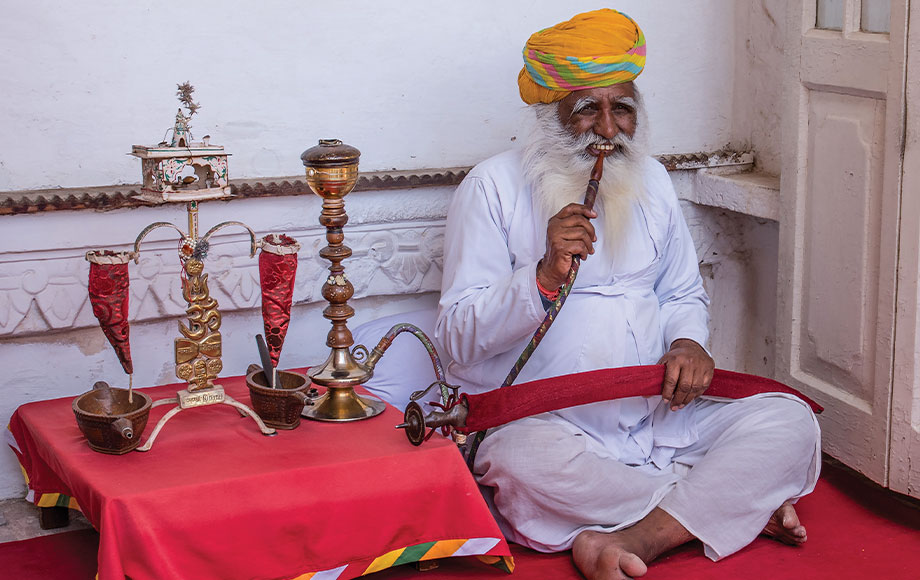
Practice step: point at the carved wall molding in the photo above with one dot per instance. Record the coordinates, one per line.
(121, 196)
(47, 294)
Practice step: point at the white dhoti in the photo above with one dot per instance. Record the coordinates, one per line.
(549, 481)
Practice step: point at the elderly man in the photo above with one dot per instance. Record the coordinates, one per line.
(622, 481)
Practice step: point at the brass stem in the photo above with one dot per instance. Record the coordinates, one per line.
(192, 208)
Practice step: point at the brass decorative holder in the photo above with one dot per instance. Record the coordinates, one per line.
(189, 172)
(332, 171)
(198, 350)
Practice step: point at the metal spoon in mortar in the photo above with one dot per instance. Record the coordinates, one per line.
(268, 369)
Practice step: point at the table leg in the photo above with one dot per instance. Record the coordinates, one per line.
(427, 565)
(54, 517)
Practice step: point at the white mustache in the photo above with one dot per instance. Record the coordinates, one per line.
(621, 143)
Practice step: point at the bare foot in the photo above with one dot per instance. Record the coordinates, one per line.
(602, 556)
(784, 526)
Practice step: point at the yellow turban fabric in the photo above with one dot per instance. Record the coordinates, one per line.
(594, 49)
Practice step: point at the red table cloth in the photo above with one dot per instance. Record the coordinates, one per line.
(216, 499)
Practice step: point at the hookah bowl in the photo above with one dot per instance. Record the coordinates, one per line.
(332, 172)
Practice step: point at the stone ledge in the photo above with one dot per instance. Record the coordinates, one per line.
(749, 193)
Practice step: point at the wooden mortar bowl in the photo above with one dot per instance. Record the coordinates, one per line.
(110, 423)
(279, 408)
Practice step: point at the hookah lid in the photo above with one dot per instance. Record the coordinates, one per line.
(330, 153)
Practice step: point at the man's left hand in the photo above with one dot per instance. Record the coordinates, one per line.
(687, 373)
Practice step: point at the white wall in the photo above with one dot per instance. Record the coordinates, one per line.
(760, 30)
(412, 84)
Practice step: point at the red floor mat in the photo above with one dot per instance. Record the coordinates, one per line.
(65, 556)
(855, 530)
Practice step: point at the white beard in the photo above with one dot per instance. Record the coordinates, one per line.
(558, 168)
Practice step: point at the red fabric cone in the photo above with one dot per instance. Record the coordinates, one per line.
(277, 268)
(108, 294)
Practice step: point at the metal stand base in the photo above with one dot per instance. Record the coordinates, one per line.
(343, 404)
(182, 402)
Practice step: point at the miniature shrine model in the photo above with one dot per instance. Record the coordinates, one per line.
(182, 169)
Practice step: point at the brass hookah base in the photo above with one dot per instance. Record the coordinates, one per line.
(332, 172)
(340, 374)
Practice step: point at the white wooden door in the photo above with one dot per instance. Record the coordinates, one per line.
(905, 413)
(840, 189)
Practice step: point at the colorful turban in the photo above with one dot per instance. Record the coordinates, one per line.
(594, 49)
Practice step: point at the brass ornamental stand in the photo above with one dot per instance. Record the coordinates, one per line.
(198, 350)
(176, 171)
(332, 171)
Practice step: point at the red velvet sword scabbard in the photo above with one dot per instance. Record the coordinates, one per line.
(507, 404)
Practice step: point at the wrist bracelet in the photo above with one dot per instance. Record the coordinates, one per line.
(546, 293)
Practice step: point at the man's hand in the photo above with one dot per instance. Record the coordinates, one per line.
(687, 373)
(568, 233)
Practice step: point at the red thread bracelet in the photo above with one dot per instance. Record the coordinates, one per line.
(551, 296)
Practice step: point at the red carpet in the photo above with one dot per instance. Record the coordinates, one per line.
(854, 531)
(66, 556)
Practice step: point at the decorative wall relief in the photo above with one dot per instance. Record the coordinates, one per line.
(48, 292)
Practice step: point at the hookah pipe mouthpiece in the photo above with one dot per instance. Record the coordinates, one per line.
(596, 173)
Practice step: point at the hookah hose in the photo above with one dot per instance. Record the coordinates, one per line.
(590, 194)
(385, 342)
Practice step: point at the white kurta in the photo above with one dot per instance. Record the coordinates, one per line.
(620, 313)
(719, 468)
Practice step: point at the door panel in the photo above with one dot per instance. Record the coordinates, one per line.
(840, 194)
(839, 299)
(905, 412)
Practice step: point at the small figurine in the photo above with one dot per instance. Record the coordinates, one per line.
(182, 134)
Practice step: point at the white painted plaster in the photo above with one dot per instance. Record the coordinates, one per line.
(748, 193)
(412, 84)
(760, 29)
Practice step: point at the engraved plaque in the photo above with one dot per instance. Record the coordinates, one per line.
(210, 396)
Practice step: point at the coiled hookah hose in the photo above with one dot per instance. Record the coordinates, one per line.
(590, 194)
